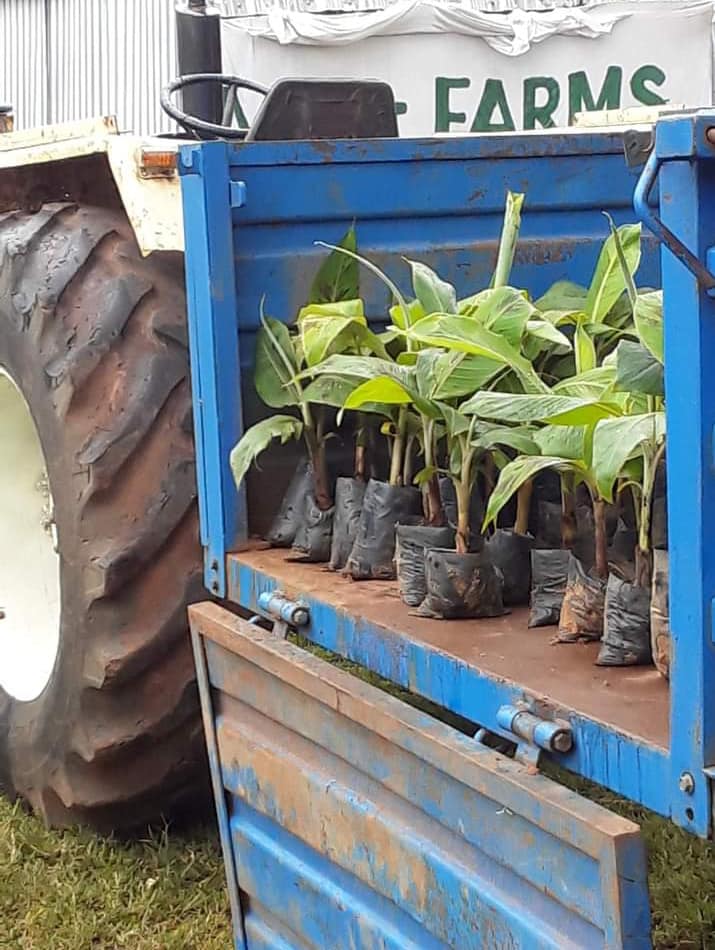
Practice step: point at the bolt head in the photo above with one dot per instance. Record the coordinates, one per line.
(300, 617)
(686, 783)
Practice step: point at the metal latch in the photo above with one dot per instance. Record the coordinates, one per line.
(286, 614)
(534, 734)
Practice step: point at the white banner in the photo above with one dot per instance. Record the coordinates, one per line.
(458, 70)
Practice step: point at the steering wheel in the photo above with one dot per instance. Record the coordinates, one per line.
(199, 127)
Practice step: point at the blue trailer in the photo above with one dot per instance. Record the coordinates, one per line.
(349, 819)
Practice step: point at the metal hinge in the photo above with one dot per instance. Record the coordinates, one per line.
(286, 614)
(534, 735)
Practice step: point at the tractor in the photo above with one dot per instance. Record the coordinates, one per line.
(99, 713)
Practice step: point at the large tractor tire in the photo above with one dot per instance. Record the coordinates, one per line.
(99, 549)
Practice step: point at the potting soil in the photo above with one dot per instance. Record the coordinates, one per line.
(383, 507)
(411, 546)
(626, 625)
(461, 585)
(511, 553)
(315, 528)
(660, 614)
(549, 571)
(288, 517)
(582, 608)
(349, 494)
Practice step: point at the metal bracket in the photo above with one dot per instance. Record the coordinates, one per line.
(637, 146)
(237, 194)
(284, 613)
(647, 215)
(534, 734)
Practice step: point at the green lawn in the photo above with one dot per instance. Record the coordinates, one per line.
(73, 891)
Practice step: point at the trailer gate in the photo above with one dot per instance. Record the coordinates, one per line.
(352, 820)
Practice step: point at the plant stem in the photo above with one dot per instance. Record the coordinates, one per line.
(431, 498)
(568, 513)
(601, 541)
(407, 463)
(463, 496)
(644, 567)
(360, 466)
(463, 491)
(651, 460)
(646, 501)
(398, 448)
(315, 445)
(361, 449)
(321, 481)
(523, 507)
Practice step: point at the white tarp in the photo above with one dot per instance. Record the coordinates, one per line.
(456, 69)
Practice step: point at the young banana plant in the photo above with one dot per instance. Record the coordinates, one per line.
(323, 327)
(598, 315)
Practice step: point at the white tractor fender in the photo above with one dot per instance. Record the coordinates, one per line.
(149, 190)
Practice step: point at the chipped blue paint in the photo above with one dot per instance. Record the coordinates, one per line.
(624, 763)
(452, 845)
(688, 196)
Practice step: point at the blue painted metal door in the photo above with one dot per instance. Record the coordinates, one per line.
(352, 821)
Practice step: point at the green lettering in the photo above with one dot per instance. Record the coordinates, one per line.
(444, 117)
(493, 97)
(543, 114)
(641, 93)
(581, 98)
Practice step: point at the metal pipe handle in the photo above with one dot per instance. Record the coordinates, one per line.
(648, 216)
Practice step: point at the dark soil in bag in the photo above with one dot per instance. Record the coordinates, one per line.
(549, 570)
(660, 641)
(626, 625)
(412, 544)
(582, 608)
(511, 553)
(288, 517)
(349, 493)
(461, 585)
(313, 537)
(383, 507)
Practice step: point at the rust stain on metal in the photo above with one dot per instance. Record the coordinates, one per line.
(548, 251)
(565, 676)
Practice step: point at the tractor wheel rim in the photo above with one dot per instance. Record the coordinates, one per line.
(30, 587)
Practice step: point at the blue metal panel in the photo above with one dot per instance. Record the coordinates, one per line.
(210, 289)
(358, 821)
(687, 203)
(634, 768)
(439, 201)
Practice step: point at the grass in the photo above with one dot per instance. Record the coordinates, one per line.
(73, 891)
